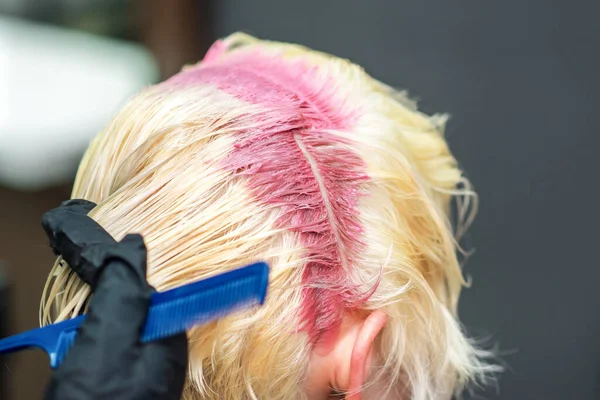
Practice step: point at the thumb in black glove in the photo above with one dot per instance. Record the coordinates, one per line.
(107, 360)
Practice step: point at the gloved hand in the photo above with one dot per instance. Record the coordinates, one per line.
(107, 360)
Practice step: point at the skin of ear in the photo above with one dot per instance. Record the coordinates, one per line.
(344, 366)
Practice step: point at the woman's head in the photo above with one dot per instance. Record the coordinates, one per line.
(267, 151)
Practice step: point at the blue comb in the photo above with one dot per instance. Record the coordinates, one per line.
(170, 313)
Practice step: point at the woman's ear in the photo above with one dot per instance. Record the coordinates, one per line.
(360, 358)
(343, 363)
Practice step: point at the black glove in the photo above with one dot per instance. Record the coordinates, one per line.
(107, 360)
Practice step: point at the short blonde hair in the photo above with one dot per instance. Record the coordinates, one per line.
(269, 151)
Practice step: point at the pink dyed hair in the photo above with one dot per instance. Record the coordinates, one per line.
(292, 165)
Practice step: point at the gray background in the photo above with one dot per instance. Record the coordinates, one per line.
(521, 81)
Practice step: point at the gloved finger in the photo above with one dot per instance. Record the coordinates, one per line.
(166, 361)
(52, 220)
(117, 313)
(81, 205)
(71, 232)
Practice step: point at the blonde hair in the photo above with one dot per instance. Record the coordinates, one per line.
(269, 151)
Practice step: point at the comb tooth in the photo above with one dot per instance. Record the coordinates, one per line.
(65, 342)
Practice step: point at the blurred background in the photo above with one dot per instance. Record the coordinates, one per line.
(520, 79)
